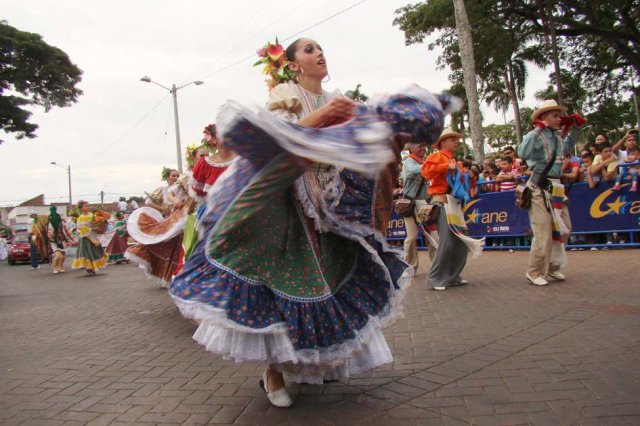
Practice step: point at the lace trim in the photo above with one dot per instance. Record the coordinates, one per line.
(234, 341)
(330, 196)
(143, 238)
(211, 162)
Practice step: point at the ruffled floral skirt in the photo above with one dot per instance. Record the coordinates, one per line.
(265, 285)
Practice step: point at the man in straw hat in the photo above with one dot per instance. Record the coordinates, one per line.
(543, 151)
(446, 189)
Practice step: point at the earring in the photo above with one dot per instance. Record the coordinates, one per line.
(328, 79)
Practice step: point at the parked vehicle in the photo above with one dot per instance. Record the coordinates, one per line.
(19, 250)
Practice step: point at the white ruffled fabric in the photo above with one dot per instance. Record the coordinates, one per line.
(142, 237)
(366, 351)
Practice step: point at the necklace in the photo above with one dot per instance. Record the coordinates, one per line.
(309, 98)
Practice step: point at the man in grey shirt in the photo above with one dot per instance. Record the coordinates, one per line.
(416, 188)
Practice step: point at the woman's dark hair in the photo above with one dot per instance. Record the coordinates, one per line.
(290, 51)
(82, 203)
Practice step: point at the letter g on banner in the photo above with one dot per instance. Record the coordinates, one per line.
(614, 207)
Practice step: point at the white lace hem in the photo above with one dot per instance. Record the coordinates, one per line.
(367, 350)
(142, 237)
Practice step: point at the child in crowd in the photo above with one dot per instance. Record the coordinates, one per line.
(629, 172)
(508, 176)
(489, 174)
(585, 170)
(605, 163)
(570, 170)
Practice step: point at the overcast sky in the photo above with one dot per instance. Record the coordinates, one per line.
(121, 133)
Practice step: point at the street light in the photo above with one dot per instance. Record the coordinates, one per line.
(174, 92)
(68, 168)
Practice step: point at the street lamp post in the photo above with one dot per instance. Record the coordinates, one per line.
(68, 168)
(174, 93)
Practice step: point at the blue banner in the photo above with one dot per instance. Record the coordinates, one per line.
(592, 210)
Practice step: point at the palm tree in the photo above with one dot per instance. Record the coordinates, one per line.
(465, 43)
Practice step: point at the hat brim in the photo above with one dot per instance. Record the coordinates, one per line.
(537, 113)
(448, 135)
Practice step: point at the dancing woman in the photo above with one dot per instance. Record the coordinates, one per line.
(292, 269)
(89, 253)
(118, 244)
(159, 249)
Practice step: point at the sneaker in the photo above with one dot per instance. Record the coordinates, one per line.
(594, 249)
(439, 288)
(56, 272)
(537, 280)
(36, 267)
(556, 275)
(461, 281)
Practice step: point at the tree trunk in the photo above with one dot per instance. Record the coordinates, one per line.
(465, 43)
(554, 51)
(511, 89)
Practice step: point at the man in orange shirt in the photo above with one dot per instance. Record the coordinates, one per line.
(451, 254)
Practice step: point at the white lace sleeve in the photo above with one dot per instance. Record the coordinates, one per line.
(284, 102)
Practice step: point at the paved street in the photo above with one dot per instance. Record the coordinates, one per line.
(113, 349)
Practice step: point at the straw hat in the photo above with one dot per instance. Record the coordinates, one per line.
(447, 133)
(546, 106)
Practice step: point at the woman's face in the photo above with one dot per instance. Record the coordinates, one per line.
(85, 208)
(173, 177)
(309, 60)
(600, 139)
(202, 152)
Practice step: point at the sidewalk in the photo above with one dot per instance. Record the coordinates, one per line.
(113, 349)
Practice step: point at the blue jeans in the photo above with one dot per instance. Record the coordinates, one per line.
(34, 255)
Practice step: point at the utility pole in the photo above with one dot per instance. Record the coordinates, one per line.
(101, 198)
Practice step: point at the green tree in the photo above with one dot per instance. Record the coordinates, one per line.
(32, 73)
(503, 46)
(575, 95)
(602, 37)
(498, 136)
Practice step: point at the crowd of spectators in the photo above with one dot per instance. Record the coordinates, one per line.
(597, 162)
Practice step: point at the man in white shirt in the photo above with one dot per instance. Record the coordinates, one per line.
(629, 140)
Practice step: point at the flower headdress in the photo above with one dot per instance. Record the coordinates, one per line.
(276, 65)
(191, 152)
(166, 171)
(211, 130)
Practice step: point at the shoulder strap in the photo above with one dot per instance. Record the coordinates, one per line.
(550, 163)
(419, 189)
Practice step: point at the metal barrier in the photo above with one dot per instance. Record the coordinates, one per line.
(594, 212)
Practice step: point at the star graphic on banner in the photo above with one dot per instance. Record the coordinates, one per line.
(473, 216)
(616, 205)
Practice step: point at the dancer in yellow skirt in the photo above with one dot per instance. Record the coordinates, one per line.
(89, 254)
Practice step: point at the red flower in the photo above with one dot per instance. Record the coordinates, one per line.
(275, 51)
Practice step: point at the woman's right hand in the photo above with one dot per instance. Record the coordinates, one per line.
(337, 110)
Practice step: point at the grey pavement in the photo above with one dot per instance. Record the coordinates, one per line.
(113, 350)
